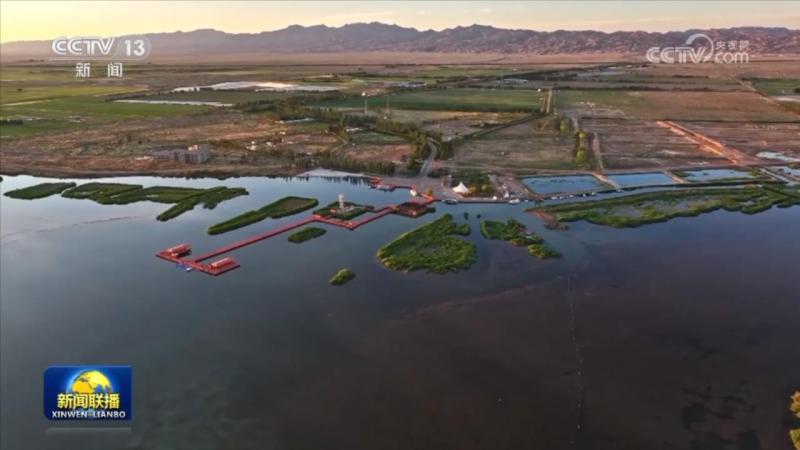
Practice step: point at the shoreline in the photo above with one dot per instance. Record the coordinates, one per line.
(220, 174)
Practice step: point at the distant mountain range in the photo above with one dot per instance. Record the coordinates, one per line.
(371, 37)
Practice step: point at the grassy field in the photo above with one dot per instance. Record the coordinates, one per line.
(449, 100)
(11, 95)
(231, 97)
(778, 86)
(76, 111)
(286, 206)
(521, 148)
(375, 138)
(658, 105)
(431, 247)
(597, 98)
(41, 190)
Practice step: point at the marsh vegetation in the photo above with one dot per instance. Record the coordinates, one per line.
(286, 206)
(306, 234)
(41, 190)
(432, 247)
(514, 232)
(184, 199)
(652, 207)
(341, 277)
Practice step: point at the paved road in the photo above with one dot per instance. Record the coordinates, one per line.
(426, 166)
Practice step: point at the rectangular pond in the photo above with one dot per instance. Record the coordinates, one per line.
(714, 174)
(641, 179)
(564, 184)
(789, 170)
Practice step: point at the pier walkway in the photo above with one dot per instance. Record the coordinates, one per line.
(227, 264)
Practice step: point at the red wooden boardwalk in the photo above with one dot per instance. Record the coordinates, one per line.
(253, 239)
(226, 264)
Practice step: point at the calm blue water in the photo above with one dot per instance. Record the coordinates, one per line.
(716, 174)
(564, 184)
(271, 356)
(642, 179)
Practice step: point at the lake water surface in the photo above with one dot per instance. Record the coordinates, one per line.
(564, 184)
(676, 335)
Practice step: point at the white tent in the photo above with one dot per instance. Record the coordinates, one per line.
(461, 189)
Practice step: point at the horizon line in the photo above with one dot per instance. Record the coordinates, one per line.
(420, 30)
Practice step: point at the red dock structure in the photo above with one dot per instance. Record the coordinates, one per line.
(179, 253)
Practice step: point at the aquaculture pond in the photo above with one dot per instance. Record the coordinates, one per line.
(779, 156)
(564, 184)
(714, 175)
(498, 354)
(790, 170)
(642, 179)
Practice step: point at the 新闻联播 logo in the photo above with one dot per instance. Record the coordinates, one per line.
(87, 393)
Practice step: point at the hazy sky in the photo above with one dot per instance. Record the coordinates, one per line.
(24, 20)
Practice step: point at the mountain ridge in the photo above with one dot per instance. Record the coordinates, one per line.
(377, 36)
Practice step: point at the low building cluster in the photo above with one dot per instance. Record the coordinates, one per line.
(193, 154)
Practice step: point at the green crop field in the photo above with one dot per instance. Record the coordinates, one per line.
(778, 86)
(450, 100)
(68, 112)
(11, 95)
(684, 105)
(232, 97)
(92, 107)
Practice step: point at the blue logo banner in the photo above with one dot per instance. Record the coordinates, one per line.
(88, 393)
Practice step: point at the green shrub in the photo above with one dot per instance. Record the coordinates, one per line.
(342, 276)
(306, 234)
